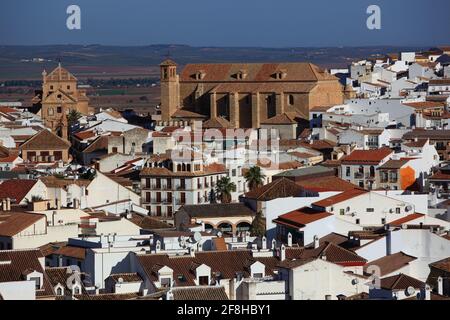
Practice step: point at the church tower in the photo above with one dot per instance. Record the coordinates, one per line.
(170, 90)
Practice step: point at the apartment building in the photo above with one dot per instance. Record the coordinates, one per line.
(168, 184)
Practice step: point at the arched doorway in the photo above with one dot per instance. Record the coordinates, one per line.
(243, 227)
(225, 227)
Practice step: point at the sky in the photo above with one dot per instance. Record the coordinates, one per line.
(230, 23)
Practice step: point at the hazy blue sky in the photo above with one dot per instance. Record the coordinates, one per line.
(265, 23)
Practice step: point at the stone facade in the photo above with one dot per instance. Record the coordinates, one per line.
(245, 94)
(60, 94)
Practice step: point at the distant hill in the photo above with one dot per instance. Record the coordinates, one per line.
(23, 62)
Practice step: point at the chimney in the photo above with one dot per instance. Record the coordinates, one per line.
(4, 204)
(264, 243)
(289, 240)
(274, 244)
(169, 295)
(282, 253)
(440, 286)
(316, 242)
(158, 246)
(388, 240)
(192, 251)
(58, 204)
(427, 292)
(8, 204)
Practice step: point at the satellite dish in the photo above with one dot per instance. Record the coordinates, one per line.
(355, 281)
(197, 236)
(120, 280)
(219, 234)
(408, 208)
(410, 291)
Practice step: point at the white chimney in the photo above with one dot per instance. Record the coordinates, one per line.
(388, 240)
(264, 243)
(316, 242)
(289, 239)
(440, 286)
(158, 246)
(169, 295)
(274, 244)
(282, 253)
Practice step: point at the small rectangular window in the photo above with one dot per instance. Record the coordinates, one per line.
(370, 209)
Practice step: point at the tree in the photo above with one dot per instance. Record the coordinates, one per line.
(224, 189)
(258, 228)
(73, 117)
(254, 177)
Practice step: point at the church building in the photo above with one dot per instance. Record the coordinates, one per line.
(244, 95)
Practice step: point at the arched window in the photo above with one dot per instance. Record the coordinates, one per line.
(225, 227)
(179, 167)
(372, 171)
(243, 226)
(50, 111)
(59, 292)
(291, 99)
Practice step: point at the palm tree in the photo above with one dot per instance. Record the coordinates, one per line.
(224, 189)
(258, 228)
(254, 177)
(73, 117)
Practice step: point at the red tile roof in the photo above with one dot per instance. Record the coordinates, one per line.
(425, 104)
(344, 196)
(401, 282)
(85, 135)
(326, 183)
(16, 263)
(408, 218)
(374, 156)
(391, 263)
(16, 189)
(301, 217)
(279, 188)
(14, 223)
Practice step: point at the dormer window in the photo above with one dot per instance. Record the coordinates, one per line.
(257, 270)
(279, 75)
(203, 275)
(165, 277)
(35, 276)
(241, 75)
(199, 75)
(59, 291)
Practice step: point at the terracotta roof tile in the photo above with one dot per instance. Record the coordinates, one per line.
(16, 189)
(125, 277)
(346, 195)
(408, 218)
(391, 263)
(326, 183)
(301, 217)
(374, 156)
(45, 140)
(400, 282)
(279, 188)
(72, 252)
(202, 293)
(16, 262)
(16, 222)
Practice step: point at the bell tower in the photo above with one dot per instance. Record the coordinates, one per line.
(170, 91)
